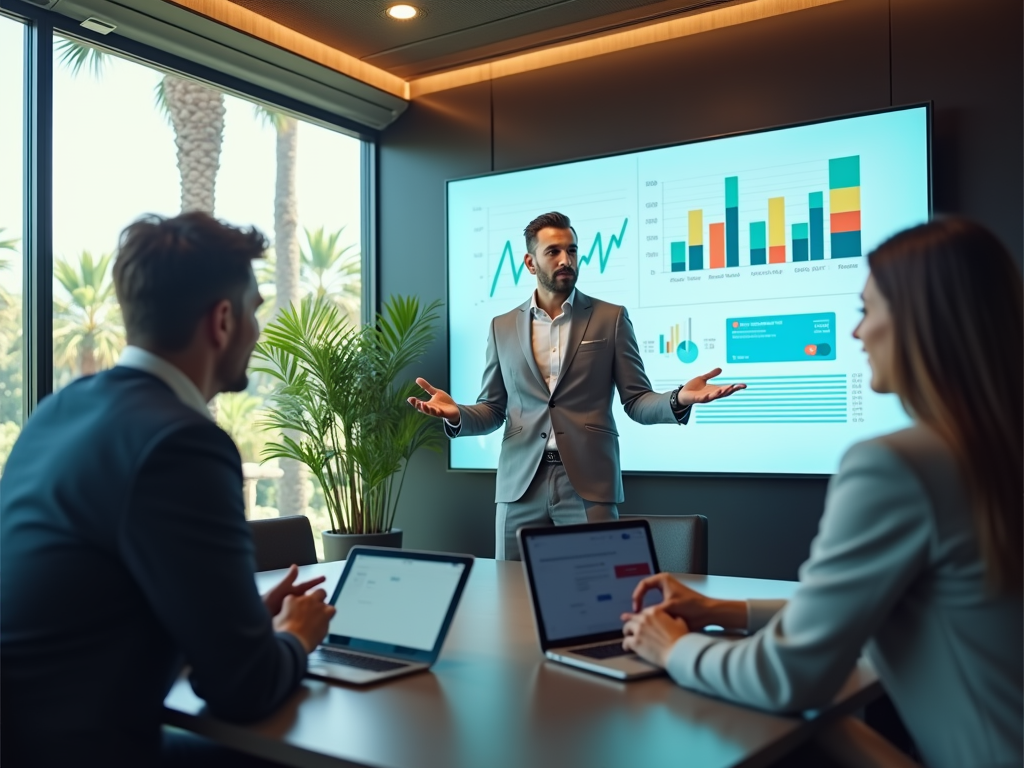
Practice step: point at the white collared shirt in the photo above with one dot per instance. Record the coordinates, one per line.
(169, 374)
(550, 339)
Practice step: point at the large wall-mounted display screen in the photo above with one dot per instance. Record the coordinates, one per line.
(744, 252)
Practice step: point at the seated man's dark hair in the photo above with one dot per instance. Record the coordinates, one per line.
(170, 272)
(554, 219)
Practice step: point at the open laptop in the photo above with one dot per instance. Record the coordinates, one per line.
(394, 610)
(581, 580)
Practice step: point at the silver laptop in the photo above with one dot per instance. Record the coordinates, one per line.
(581, 580)
(394, 608)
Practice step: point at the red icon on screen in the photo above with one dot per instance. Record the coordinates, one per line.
(633, 569)
(811, 349)
(735, 324)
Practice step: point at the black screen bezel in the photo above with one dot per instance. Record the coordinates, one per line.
(388, 650)
(524, 534)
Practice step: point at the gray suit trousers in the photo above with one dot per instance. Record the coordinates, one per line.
(549, 500)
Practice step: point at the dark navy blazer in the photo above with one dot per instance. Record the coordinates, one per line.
(124, 554)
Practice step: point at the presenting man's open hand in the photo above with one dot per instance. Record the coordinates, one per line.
(700, 390)
(439, 405)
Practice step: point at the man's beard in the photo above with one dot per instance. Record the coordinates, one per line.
(235, 374)
(238, 384)
(550, 283)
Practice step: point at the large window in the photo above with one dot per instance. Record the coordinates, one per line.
(130, 139)
(12, 143)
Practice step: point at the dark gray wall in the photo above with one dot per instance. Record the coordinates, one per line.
(846, 57)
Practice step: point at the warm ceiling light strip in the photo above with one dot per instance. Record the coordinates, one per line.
(261, 27)
(704, 21)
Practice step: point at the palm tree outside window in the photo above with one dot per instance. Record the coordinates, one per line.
(131, 139)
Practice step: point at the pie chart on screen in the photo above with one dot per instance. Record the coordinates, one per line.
(686, 351)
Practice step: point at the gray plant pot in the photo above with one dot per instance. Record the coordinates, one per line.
(337, 545)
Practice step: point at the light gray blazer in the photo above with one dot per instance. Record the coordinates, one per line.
(602, 352)
(895, 571)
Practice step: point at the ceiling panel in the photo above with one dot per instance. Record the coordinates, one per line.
(455, 32)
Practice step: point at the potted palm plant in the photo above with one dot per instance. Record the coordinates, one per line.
(341, 410)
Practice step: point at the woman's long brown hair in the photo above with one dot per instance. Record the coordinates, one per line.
(955, 296)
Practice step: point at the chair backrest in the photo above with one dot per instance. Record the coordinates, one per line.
(680, 541)
(281, 541)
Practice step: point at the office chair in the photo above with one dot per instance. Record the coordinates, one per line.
(281, 541)
(680, 541)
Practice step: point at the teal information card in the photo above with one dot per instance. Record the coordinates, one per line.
(781, 338)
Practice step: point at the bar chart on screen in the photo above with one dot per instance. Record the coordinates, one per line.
(678, 342)
(720, 227)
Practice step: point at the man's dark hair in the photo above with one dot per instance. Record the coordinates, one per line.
(170, 272)
(553, 219)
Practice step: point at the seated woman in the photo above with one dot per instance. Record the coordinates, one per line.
(917, 561)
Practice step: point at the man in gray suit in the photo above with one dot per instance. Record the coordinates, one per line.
(551, 364)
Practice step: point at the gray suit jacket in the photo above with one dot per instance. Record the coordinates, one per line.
(602, 352)
(895, 571)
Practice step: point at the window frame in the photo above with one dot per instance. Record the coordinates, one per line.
(37, 177)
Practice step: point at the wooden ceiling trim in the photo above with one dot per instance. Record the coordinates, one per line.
(277, 34)
(261, 27)
(704, 21)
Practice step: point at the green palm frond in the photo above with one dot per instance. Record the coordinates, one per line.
(10, 244)
(74, 55)
(270, 116)
(160, 100)
(88, 331)
(88, 281)
(332, 270)
(342, 395)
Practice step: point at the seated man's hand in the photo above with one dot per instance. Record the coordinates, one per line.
(287, 586)
(651, 634)
(305, 616)
(697, 610)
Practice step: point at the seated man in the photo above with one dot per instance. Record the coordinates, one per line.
(125, 551)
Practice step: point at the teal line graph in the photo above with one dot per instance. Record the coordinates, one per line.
(517, 272)
(614, 241)
(603, 255)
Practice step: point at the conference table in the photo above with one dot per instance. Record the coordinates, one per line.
(492, 701)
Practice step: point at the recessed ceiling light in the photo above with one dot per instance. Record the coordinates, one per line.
(402, 12)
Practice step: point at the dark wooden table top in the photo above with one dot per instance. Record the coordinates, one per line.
(492, 701)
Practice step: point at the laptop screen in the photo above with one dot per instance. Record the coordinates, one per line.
(398, 602)
(583, 580)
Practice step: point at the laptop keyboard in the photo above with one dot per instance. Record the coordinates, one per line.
(608, 651)
(355, 660)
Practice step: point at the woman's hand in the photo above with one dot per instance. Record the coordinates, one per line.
(651, 634)
(694, 608)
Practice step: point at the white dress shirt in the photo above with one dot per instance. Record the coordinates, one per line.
(169, 374)
(550, 339)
